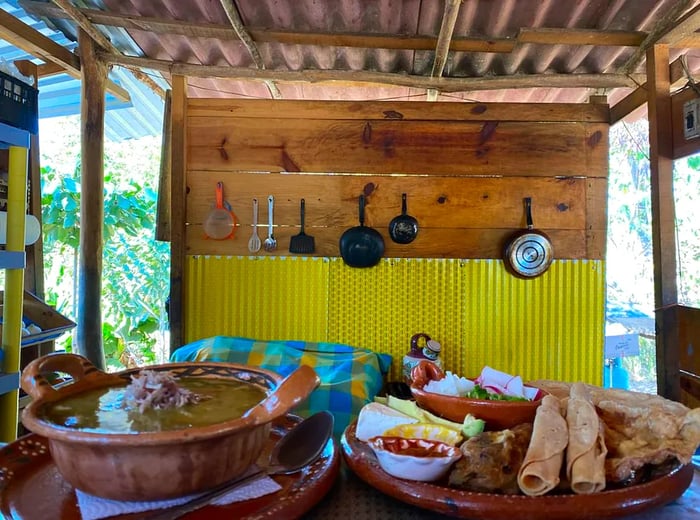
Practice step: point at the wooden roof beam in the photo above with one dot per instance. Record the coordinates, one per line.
(640, 95)
(570, 36)
(238, 26)
(683, 34)
(31, 41)
(663, 27)
(449, 19)
(101, 40)
(394, 79)
(544, 36)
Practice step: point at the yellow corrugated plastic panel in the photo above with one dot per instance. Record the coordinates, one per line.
(547, 327)
(381, 308)
(256, 297)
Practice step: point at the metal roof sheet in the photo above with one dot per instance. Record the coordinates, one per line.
(59, 95)
(477, 18)
(492, 20)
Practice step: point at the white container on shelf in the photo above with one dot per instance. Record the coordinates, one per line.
(32, 229)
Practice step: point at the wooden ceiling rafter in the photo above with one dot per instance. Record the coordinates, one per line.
(674, 25)
(100, 39)
(542, 36)
(442, 48)
(638, 96)
(663, 27)
(239, 27)
(445, 84)
(31, 41)
(683, 34)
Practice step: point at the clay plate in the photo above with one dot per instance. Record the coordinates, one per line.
(499, 415)
(31, 487)
(484, 506)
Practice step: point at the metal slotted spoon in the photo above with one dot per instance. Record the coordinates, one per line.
(254, 242)
(270, 242)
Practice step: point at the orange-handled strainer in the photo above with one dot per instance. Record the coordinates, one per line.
(220, 223)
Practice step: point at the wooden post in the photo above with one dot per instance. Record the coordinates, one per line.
(177, 209)
(92, 117)
(663, 221)
(164, 190)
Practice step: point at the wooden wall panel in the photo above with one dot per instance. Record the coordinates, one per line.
(395, 147)
(688, 320)
(465, 168)
(399, 110)
(690, 390)
(468, 217)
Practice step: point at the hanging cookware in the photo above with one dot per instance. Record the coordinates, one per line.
(302, 243)
(220, 223)
(403, 228)
(528, 253)
(361, 246)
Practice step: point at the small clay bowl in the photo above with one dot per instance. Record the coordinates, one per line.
(499, 415)
(164, 464)
(414, 459)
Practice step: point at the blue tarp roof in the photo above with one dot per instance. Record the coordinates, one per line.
(59, 95)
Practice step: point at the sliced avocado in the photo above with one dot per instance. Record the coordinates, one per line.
(381, 400)
(472, 426)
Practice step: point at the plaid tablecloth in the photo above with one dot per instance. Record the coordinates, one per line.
(350, 376)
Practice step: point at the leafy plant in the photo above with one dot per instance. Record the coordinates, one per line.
(135, 275)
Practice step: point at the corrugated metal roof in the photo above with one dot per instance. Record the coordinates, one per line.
(59, 95)
(492, 20)
(477, 18)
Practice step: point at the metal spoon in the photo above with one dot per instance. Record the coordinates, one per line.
(254, 242)
(298, 448)
(270, 242)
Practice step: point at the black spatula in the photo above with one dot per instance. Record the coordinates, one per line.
(302, 243)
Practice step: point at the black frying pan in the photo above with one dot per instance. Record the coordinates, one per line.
(528, 253)
(403, 228)
(361, 246)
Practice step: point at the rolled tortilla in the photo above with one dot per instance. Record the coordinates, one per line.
(585, 455)
(540, 470)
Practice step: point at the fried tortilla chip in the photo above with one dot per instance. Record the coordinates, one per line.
(540, 470)
(586, 452)
(640, 429)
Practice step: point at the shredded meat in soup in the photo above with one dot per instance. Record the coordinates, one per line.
(158, 390)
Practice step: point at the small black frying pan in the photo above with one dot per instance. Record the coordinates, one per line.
(361, 246)
(403, 228)
(528, 253)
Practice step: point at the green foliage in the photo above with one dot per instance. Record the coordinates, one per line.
(135, 277)
(629, 255)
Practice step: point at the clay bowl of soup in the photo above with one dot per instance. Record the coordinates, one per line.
(497, 414)
(107, 444)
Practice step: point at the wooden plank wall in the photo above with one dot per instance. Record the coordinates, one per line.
(465, 168)
(688, 320)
